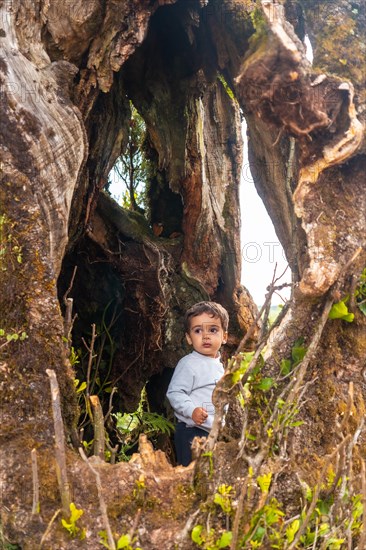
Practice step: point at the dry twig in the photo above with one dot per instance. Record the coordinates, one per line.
(60, 453)
(102, 504)
(98, 426)
(49, 526)
(35, 505)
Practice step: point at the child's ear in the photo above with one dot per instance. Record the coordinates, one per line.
(224, 339)
(189, 339)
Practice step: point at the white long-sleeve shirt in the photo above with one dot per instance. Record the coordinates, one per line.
(193, 382)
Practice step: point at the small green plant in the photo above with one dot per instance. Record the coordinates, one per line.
(13, 336)
(129, 426)
(10, 250)
(224, 498)
(209, 539)
(298, 353)
(139, 491)
(124, 542)
(70, 525)
(265, 524)
(339, 310)
(360, 293)
(255, 381)
(209, 455)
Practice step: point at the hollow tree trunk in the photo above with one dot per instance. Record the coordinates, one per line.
(67, 72)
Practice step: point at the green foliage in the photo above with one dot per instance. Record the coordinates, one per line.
(139, 491)
(70, 525)
(133, 167)
(265, 525)
(298, 353)
(339, 310)
(258, 20)
(255, 380)
(360, 293)
(74, 357)
(7, 337)
(209, 540)
(124, 542)
(226, 86)
(264, 482)
(96, 379)
(10, 250)
(224, 498)
(5, 544)
(129, 426)
(209, 455)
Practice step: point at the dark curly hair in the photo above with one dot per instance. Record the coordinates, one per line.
(212, 308)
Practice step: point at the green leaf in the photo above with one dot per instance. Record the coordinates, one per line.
(335, 544)
(103, 538)
(123, 542)
(264, 482)
(259, 534)
(323, 507)
(75, 513)
(285, 366)
(323, 529)
(196, 534)
(340, 311)
(292, 529)
(66, 524)
(362, 307)
(225, 539)
(236, 376)
(265, 384)
(298, 353)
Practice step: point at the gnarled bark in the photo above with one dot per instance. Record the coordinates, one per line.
(67, 72)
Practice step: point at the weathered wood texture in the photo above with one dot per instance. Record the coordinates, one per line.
(67, 71)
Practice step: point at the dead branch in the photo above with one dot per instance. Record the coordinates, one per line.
(98, 426)
(60, 453)
(49, 526)
(102, 504)
(314, 500)
(68, 320)
(91, 358)
(65, 297)
(362, 542)
(182, 535)
(36, 504)
(239, 515)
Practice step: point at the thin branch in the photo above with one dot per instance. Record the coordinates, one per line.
(182, 535)
(70, 286)
(102, 504)
(112, 450)
(46, 533)
(314, 500)
(68, 320)
(60, 453)
(362, 542)
(35, 505)
(239, 515)
(91, 358)
(98, 426)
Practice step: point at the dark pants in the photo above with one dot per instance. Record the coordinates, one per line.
(183, 438)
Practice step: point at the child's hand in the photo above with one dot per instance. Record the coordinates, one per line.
(199, 415)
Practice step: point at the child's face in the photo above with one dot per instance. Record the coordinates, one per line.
(206, 334)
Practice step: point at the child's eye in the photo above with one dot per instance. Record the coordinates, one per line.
(214, 330)
(197, 330)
